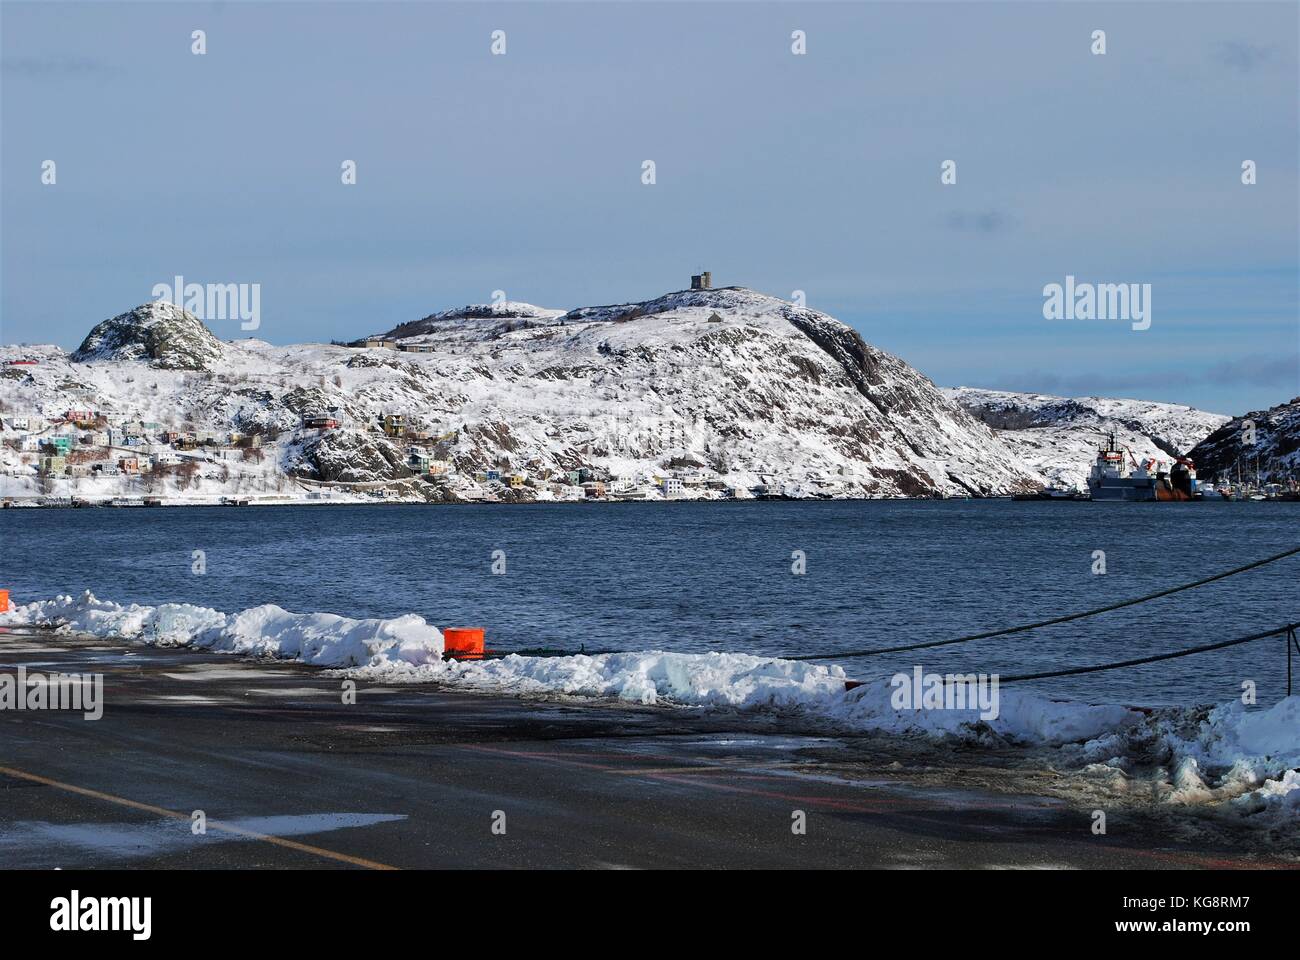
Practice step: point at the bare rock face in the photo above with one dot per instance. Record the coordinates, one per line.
(348, 456)
(157, 332)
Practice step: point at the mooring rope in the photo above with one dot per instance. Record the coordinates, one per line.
(560, 652)
(1045, 623)
(1291, 641)
(1154, 658)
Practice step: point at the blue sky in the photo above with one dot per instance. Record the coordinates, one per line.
(778, 172)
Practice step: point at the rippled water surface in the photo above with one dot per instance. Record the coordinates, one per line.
(717, 576)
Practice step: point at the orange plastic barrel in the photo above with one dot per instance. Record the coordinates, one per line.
(463, 643)
(4, 600)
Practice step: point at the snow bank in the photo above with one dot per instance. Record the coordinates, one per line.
(322, 639)
(406, 649)
(1023, 717)
(694, 679)
(807, 691)
(1236, 758)
(1245, 759)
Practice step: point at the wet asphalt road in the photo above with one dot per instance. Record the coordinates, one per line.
(289, 776)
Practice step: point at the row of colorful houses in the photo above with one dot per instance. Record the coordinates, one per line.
(52, 464)
(34, 431)
(87, 442)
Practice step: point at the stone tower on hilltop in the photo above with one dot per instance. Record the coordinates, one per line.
(702, 281)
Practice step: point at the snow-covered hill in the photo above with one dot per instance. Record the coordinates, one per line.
(727, 387)
(475, 322)
(1264, 440)
(157, 332)
(1059, 436)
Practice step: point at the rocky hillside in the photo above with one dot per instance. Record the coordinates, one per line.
(1275, 449)
(159, 333)
(730, 383)
(477, 321)
(1059, 436)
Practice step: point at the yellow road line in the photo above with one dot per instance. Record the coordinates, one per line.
(212, 824)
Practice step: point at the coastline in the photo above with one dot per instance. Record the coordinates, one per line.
(72, 503)
(44, 503)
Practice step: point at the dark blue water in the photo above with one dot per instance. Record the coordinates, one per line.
(717, 576)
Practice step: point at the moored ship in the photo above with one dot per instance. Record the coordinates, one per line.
(1111, 477)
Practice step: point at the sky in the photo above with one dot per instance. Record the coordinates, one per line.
(818, 172)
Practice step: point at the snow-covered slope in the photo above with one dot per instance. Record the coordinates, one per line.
(475, 322)
(1059, 436)
(731, 384)
(158, 333)
(1275, 450)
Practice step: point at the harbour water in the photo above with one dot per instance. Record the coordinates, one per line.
(719, 577)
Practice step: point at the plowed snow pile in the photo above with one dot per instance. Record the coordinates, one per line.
(1238, 759)
(321, 639)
